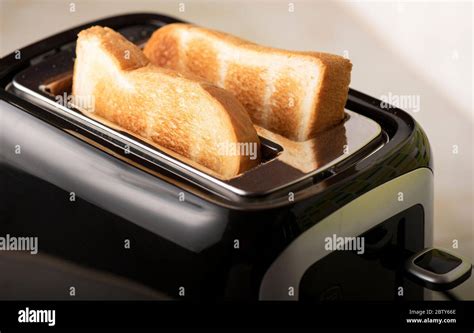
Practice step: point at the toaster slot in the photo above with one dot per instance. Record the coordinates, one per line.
(285, 164)
(61, 86)
(58, 86)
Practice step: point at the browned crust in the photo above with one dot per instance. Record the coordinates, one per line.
(176, 111)
(167, 46)
(247, 84)
(284, 117)
(242, 126)
(331, 93)
(198, 57)
(126, 55)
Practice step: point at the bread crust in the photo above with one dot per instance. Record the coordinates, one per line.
(180, 112)
(292, 93)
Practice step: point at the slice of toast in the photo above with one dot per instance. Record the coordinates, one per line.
(295, 94)
(185, 114)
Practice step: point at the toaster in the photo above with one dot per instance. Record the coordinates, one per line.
(335, 218)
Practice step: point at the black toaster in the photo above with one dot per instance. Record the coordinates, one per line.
(118, 218)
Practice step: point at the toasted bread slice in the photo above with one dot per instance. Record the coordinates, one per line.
(295, 94)
(185, 114)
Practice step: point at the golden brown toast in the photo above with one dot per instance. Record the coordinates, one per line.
(185, 114)
(295, 94)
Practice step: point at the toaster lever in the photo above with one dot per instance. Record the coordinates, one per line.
(438, 269)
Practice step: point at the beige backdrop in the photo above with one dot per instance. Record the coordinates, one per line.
(399, 48)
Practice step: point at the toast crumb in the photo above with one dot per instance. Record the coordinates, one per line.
(293, 93)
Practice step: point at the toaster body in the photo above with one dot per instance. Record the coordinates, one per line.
(116, 221)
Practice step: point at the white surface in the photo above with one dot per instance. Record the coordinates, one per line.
(423, 49)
